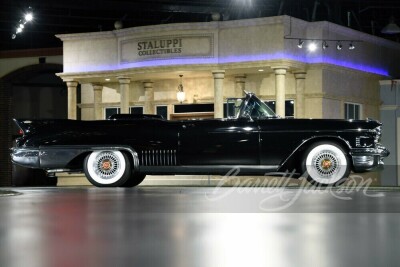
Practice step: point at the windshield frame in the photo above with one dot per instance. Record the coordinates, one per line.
(251, 102)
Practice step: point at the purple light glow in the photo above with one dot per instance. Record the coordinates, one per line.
(239, 59)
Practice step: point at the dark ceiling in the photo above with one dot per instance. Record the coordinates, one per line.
(74, 16)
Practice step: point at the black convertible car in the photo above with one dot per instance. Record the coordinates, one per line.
(120, 151)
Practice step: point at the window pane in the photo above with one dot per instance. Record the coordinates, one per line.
(271, 105)
(289, 108)
(357, 112)
(351, 111)
(229, 110)
(111, 111)
(136, 110)
(193, 108)
(163, 111)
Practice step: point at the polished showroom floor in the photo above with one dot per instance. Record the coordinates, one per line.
(199, 226)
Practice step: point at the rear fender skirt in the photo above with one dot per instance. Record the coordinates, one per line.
(58, 157)
(305, 142)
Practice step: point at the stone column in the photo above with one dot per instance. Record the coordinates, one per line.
(72, 100)
(280, 89)
(148, 98)
(240, 81)
(219, 76)
(300, 86)
(124, 91)
(98, 99)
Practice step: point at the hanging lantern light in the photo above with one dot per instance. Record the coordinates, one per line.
(180, 95)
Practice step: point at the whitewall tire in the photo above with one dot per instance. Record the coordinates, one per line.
(107, 168)
(326, 164)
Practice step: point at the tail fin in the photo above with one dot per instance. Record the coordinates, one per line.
(30, 127)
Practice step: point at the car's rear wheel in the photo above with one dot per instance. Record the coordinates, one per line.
(107, 168)
(326, 163)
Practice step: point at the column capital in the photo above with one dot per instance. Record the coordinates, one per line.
(280, 71)
(124, 80)
(72, 84)
(218, 74)
(300, 75)
(148, 84)
(97, 87)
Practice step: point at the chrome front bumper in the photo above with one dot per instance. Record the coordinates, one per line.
(368, 159)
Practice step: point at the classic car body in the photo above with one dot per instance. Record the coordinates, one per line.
(122, 150)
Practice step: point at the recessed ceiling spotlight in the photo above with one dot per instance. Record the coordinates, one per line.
(339, 45)
(351, 46)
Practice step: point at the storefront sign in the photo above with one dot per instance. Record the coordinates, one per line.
(166, 47)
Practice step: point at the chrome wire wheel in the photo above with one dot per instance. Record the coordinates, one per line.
(326, 164)
(106, 167)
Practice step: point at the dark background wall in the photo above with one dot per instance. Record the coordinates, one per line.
(32, 92)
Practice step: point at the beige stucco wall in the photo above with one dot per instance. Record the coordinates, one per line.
(344, 86)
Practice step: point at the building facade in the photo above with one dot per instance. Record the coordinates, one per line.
(138, 69)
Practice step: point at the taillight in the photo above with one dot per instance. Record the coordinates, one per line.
(20, 132)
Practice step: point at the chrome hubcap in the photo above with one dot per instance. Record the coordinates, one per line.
(326, 164)
(107, 165)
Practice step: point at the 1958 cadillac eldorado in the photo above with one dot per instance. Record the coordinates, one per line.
(122, 150)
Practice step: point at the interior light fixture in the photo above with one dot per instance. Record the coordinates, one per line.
(325, 45)
(180, 95)
(351, 46)
(300, 44)
(339, 45)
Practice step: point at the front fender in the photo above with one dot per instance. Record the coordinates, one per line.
(293, 161)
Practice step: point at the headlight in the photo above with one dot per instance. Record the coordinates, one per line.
(364, 141)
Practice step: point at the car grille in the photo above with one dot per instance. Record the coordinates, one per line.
(158, 158)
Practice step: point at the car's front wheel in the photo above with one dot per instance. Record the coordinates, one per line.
(134, 180)
(107, 168)
(326, 163)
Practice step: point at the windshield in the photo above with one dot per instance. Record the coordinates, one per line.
(254, 108)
